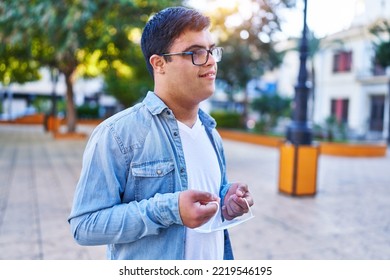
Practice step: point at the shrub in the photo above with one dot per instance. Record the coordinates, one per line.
(88, 112)
(227, 119)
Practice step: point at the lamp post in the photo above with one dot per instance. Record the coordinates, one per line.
(298, 157)
(299, 132)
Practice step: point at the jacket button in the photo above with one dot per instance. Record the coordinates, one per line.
(159, 172)
(175, 133)
(182, 170)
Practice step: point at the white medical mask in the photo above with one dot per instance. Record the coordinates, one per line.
(216, 223)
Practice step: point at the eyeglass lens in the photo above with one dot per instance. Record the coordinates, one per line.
(201, 57)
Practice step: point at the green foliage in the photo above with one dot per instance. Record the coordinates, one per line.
(16, 65)
(42, 105)
(127, 91)
(270, 108)
(88, 112)
(61, 107)
(131, 85)
(79, 38)
(248, 47)
(226, 119)
(66, 35)
(239, 64)
(331, 131)
(382, 54)
(381, 31)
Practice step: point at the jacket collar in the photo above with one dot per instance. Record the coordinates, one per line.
(156, 106)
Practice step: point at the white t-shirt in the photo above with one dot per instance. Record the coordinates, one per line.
(204, 174)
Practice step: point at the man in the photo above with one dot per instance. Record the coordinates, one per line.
(154, 173)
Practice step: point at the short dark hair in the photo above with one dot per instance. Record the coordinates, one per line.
(167, 25)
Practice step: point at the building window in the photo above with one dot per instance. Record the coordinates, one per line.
(339, 110)
(342, 61)
(377, 112)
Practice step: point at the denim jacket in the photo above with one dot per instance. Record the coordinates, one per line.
(133, 171)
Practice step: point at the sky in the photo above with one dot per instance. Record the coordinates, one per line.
(323, 16)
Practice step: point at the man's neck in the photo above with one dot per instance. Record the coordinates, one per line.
(186, 117)
(185, 113)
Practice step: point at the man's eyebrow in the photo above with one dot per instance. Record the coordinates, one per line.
(197, 47)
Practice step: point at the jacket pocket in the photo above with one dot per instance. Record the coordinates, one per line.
(152, 177)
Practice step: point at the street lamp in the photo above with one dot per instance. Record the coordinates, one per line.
(298, 157)
(299, 132)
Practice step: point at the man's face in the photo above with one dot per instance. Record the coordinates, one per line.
(186, 81)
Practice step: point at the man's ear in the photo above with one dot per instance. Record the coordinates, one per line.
(158, 63)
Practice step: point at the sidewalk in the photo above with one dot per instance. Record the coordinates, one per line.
(349, 218)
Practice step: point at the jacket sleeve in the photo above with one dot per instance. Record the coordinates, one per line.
(98, 215)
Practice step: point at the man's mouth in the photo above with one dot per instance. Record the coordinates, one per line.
(208, 74)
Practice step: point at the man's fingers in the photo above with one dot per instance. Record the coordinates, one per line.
(203, 197)
(210, 208)
(236, 206)
(197, 207)
(241, 190)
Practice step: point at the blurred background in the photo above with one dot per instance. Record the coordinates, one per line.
(66, 65)
(76, 60)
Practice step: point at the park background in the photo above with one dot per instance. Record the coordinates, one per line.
(66, 67)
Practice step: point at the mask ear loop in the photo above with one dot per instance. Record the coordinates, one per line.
(249, 208)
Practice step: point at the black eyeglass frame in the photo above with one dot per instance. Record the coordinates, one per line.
(192, 53)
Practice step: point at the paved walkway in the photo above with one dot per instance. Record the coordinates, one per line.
(349, 218)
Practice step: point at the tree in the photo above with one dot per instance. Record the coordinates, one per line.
(248, 44)
(382, 54)
(79, 38)
(129, 83)
(270, 108)
(381, 31)
(13, 69)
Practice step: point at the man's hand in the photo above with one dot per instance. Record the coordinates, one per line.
(234, 202)
(195, 207)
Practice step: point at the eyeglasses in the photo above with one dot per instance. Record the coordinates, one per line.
(201, 56)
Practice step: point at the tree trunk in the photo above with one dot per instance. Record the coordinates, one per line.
(70, 105)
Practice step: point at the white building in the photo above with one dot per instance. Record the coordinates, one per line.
(348, 85)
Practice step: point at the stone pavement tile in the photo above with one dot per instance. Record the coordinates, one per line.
(20, 223)
(359, 246)
(36, 195)
(270, 243)
(19, 250)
